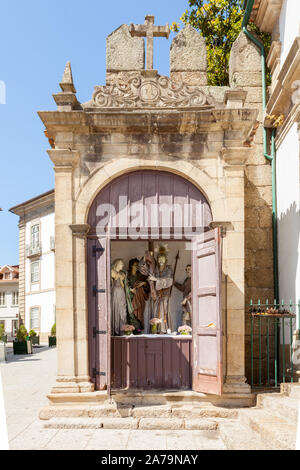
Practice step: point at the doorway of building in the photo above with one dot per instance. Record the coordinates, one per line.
(145, 361)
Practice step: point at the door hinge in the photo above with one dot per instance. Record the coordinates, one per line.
(96, 372)
(98, 332)
(97, 250)
(98, 291)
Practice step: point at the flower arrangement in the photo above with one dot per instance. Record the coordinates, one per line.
(128, 329)
(185, 330)
(155, 325)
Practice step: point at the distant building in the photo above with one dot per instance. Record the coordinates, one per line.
(9, 299)
(36, 258)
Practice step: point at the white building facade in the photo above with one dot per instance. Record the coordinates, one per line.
(281, 18)
(9, 300)
(37, 259)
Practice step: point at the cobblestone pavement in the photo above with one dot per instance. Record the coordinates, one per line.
(26, 381)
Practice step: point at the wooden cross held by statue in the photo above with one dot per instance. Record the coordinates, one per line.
(149, 31)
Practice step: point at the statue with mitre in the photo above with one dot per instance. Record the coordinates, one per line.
(163, 278)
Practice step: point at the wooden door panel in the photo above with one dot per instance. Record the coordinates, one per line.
(207, 315)
(99, 312)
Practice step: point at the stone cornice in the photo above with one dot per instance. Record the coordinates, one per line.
(64, 158)
(42, 201)
(281, 99)
(235, 155)
(265, 14)
(293, 116)
(80, 230)
(224, 225)
(150, 121)
(274, 54)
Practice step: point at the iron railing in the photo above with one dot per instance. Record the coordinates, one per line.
(271, 349)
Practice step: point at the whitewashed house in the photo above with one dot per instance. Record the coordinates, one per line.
(9, 299)
(36, 257)
(281, 18)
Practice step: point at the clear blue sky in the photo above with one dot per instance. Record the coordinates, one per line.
(37, 37)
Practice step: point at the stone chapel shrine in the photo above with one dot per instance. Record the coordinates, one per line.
(153, 178)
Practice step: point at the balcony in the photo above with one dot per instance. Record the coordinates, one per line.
(32, 251)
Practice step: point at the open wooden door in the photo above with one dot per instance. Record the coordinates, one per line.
(207, 313)
(99, 312)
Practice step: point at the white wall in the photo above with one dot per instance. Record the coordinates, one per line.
(46, 302)
(289, 26)
(42, 294)
(9, 312)
(288, 197)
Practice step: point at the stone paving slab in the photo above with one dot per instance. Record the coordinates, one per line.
(194, 440)
(26, 382)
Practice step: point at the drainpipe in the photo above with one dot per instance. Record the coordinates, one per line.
(248, 5)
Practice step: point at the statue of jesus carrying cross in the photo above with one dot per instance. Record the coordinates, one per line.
(149, 31)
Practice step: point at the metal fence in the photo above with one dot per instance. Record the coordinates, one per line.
(272, 330)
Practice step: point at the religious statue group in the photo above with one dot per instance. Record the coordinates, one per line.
(143, 293)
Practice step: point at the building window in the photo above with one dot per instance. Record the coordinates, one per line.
(35, 236)
(35, 271)
(14, 327)
(2, 299)
(35, 318)
(15, 298)
(7, 275)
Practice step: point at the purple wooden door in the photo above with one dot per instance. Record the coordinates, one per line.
(99, 312)
(153, 201)
(207, 313)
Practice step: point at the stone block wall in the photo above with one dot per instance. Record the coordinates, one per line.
(245, 73)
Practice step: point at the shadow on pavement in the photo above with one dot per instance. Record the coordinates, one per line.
(11, 357)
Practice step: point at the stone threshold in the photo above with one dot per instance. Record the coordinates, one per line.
(153, 397)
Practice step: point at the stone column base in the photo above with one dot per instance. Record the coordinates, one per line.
(236, 384)
(65, 384)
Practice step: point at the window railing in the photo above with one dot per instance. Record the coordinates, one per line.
(35, 250)
(273, 333)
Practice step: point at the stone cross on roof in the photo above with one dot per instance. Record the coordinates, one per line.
(149, 31)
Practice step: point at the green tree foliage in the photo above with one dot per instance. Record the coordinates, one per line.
(220, 22)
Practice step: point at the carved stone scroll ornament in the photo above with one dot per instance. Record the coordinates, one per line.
(137, 91)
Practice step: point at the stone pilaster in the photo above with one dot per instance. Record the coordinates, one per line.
(65, 161)
(234, 270)
(22, 257)
(81, 336)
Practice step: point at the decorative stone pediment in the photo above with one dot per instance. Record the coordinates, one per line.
(138, 90)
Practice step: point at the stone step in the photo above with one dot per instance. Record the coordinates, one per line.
(237, 436)
(132, 423)
(281, 405)
(273, 430)
(77, 411)
(190, 412)
(291, 389)
(154, 411)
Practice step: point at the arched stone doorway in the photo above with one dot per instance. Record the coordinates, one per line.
(151, 194)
